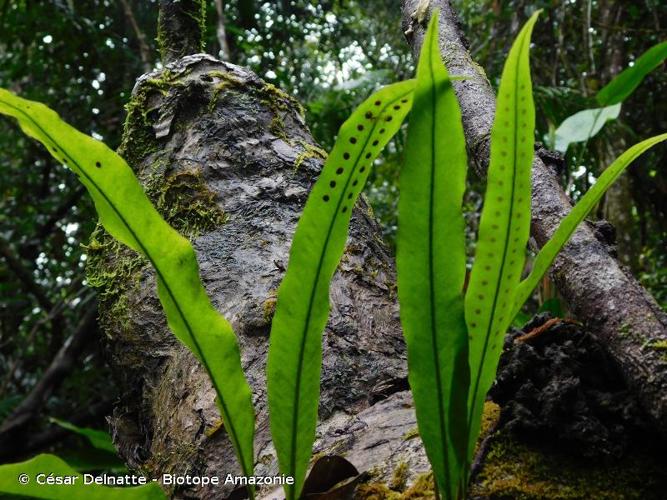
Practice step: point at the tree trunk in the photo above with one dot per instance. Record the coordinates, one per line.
(229, 161)
(599, 292)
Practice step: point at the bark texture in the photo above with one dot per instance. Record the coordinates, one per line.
(229, 161)
(599, 292)
(181, 25)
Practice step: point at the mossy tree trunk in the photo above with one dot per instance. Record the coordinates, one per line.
(229, 161)
(180, 26)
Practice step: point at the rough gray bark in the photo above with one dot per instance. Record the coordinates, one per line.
(598, 290)
(243, 146)
(179, 30)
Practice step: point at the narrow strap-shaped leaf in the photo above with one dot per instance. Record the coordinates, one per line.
(629, 79)
(127, 214)
(431, 265)
(295, 352)
(569, 224)
(21, 480)
(504, 226)
(98, 439)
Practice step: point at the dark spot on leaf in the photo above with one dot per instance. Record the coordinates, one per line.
(477, 311)
(332, 184)
(353, 140)
(388, 119)
(360, 127)
(325, 197)
(362, 169)
(368, 155)
(339, 170)
(404, 101)
(369, 115)
(377, 103)
(376, 142)
(98, 164)
(355, 182)
(344, 209)
(346, 156)
(349, 196)
(397, 107)
(382, 131)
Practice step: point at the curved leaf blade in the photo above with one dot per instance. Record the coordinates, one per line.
(569, 224)
(625, 83)
(302, 309)
(98, 439)
(127, 214)
(583, 125)
(431, 265)
(504, 226)
(47, 464)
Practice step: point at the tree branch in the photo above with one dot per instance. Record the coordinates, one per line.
(24, 276)
(180, 31)
(61, 365)
(144, 49)
(599, 292)
(221, 31)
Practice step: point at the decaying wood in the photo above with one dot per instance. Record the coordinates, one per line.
(244, 146)
(598, 291)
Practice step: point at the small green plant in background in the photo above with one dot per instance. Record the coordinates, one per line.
(585, 124)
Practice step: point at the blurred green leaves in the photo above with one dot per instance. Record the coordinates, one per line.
(586, 124)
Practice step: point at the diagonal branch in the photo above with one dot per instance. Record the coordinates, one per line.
(144, 49)
(24, 276)
(59, 368)
(599, 292)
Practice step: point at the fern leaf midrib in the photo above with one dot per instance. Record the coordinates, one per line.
(434, 333)
(231, 430)
(311, 299)
(505, 246)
